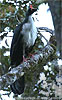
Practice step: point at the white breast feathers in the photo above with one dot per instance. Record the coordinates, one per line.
(29, 31)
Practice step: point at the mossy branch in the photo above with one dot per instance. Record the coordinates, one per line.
(32, 64)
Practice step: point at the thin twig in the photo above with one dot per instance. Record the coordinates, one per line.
(46, 29)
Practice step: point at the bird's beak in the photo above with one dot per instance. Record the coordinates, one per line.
(34, 9)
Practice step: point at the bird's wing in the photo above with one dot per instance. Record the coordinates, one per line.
(16, 45)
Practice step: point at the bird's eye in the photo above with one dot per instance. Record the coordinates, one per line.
(31, 7)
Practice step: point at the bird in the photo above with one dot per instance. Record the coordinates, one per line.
(25, 35)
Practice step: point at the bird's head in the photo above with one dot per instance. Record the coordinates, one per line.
(31, 10)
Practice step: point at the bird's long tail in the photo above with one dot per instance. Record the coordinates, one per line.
(18, 86)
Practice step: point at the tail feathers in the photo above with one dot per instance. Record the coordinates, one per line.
(18, 86)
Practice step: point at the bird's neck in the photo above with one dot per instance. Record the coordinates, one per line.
(28, 19)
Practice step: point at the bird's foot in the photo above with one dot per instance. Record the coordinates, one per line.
(32, 55)
(24, 59)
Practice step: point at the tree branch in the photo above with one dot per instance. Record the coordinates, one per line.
(32, 64)
(47, 30)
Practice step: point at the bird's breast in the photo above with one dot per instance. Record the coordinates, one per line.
(29, 34)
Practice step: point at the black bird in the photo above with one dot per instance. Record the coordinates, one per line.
(23, 40)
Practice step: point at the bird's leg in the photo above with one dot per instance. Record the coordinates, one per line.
(24, 59)
(32, 55)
